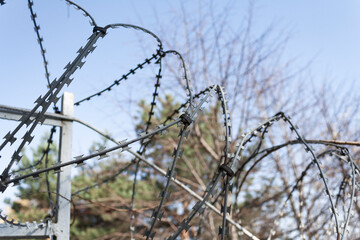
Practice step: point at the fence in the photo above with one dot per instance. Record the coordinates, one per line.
(217, 191)
(61, 228)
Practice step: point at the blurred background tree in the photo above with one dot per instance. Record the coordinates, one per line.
(259, 83)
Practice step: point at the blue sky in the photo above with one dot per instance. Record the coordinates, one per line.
(325, 33)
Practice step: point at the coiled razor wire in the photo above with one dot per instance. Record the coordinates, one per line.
(226, 169)
(143, 146)
(294, 188)
(44, 102)
(80, 160)
(124, 77)
(187, 119)
(53, 129)
(316, 162)
(40, 40)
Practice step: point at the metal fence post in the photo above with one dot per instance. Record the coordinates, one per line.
(64, 177)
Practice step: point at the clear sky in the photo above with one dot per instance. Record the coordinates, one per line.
(323, 32)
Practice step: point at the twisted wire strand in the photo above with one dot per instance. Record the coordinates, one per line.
(85, 13)
(160, 52)
(157, 214)
(143, 146)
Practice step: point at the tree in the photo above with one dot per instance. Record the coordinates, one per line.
(273, 169)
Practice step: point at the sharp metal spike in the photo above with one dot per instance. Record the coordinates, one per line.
(16, 156)
(68, 81)
(81, 64)
(68, 66)
(184, 225)
(10, 138)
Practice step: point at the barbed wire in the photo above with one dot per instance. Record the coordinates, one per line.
(224, 170)
(294, 188)
(39, 161)
(187, 119)
(321, 174)
(229, 173)
(124, 77)
(51, 204)
(143, 146)
(329, 143)
(45, 155)
(40, 41)
(44, 102)
(164, 173)
(80, 159)
(227, 164)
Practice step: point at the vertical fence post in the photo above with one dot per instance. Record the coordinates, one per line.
(64, 177)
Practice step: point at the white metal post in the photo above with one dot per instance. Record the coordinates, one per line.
(64, 177)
